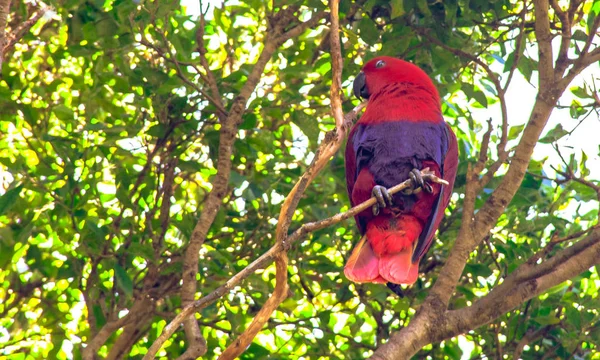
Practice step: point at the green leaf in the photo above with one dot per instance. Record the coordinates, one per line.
(547, 320)
(479, 270)
(397, 8)
(307, 125)
(249, 121)
(573, 316)
(527, 66)
(515, 131)
(123, 280)
(64, 113)
(580, 92)
(255, 351)
(368, 31)
(554, 135)
(474, 93)
(9, 198)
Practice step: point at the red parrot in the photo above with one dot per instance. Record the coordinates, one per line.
(401, 132)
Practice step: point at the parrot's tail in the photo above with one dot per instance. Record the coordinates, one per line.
(363, 264)
(384, 253)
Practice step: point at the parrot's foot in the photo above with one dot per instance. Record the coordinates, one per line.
(384, 199)
(417, 183)
(396, 289)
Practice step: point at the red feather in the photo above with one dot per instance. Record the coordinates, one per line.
(402, 128)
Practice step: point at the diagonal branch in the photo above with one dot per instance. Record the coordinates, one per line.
(562, 61)
(24, 28)
(170, 57)
(137, 312)
(4, 9)
(530, 337)
(519, 47)
(587, 57)
(7, 41)
(523, 284)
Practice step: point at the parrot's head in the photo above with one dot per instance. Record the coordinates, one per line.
(385, 70)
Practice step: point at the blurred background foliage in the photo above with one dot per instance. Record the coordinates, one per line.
(108, 147)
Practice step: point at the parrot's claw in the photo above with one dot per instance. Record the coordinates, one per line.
(396, 289)
(428, 188)
(417, 183)
(384, 199)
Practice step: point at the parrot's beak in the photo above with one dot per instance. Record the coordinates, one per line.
(360, 86)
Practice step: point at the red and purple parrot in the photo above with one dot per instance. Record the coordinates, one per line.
(401, 132)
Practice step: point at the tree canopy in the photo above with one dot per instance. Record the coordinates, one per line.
(151, 151)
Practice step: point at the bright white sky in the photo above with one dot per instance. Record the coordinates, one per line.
(520, 98)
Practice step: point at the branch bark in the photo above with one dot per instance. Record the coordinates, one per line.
(523, 284)
(4, 9)
(530, 337)
(8, 40)
(136, 313)
(210, 77)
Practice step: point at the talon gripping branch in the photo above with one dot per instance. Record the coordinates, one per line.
(401, 132)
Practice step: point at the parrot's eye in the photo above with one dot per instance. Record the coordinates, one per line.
(380, 64)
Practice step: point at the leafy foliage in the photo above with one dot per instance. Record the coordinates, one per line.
(109, 145)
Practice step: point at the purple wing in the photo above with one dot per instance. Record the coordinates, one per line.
(448, 171)
(350, 165)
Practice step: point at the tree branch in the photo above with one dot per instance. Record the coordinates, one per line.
(544, 38)
(529, 281)
(506, 296)
(530, 336)
(4, 9)
(518, 46)
(7, 41)
(562, 61)
(24, 28)
(137, 312)
(587, 57)
(216, 101)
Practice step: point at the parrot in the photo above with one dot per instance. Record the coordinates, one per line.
(401, 132)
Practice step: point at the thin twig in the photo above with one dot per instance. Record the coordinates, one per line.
(210, 77)
(518, 46)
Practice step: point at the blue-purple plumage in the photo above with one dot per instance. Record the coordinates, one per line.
(392, 149)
